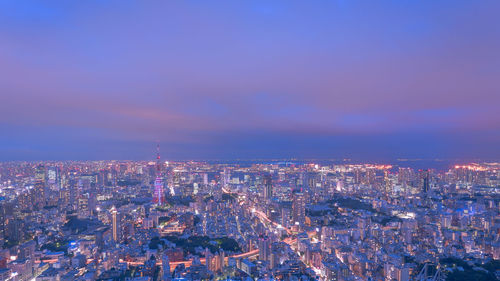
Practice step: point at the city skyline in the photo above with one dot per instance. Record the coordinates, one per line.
(321, 140)
(222, 80)
(176, 221)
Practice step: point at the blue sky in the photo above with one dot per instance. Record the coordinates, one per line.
(370, 80)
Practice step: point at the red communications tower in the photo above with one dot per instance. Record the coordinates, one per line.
(159, 195)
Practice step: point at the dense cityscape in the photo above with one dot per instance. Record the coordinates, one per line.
(161, 220)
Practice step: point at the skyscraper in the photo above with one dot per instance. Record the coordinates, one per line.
(298, 208)
(268, 187)
(264, 248)
(425, 177)
(40, 186)
(83, 206)
(226, 175)
(116, 224)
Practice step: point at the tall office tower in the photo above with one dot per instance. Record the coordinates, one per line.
(102, 177)
(93, 202)
(39, 194)
(63, 197)
(208, 259)
(370, 176)
(273, 260)
(15, 230)
(404, 176)
(40, 187)
(26, 199)
(83, 206)
(226, 175)
(52, 176)
(425, 178)
(40, 173)
(268, 187)
(165, 267)
(159, 195)
(387, 182)
(74, 194)
(357, 176)
(285, 217)
(116, 224)
(298, 208)
(311, 181)
(264, 248)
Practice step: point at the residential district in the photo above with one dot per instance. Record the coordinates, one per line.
(158, 220)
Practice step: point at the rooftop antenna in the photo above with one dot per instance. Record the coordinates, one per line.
(158, 164)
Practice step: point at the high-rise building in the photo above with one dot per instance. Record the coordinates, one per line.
(15, 230)
(387, 182)
(40, 173)
(298, 208)
(208, 259)
(116, 224)
(40, 187)
(264, 248)
(92, 202)
(404, 176)
(226, 175)
(425, 177)
(52, 175)
(358, 175)
(39, 194)
(285, 217)
(268, 187)
(73, 194)
(83, 206)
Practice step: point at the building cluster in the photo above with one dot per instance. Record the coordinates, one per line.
(139, 220)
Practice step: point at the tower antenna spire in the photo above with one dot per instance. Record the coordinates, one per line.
(158, 164)
(158, 197)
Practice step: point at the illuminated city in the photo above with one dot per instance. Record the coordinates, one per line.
(102, 220)
(318, 140)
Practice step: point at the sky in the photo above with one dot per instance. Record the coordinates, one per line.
(366, 80)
